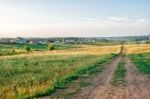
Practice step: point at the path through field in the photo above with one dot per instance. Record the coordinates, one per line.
(137, 85)
(102, 86)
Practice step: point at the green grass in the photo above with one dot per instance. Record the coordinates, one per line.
(25, 77)
(142, 62)
(37, 46)
(119, 75)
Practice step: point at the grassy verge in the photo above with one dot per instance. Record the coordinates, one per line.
(85, 79)
(142, 62)
(119, 75)
(81, 72)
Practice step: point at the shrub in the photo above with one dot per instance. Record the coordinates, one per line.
(27, 48)
(13, 51)
(51, 47)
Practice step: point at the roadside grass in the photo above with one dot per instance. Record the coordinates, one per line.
(119, 75)
(84, 80)
(85, 70)
(142, 62)
(29, 77)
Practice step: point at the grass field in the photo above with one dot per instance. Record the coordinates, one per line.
(40, 73)
(14, 49)
(142, 62)
(137, 48)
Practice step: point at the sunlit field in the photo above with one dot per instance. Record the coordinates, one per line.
(40, 73)
(74, 49)
(84, 50)
(137, 48)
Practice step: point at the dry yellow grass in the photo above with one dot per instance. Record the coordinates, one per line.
(86, 50)
(137, 48)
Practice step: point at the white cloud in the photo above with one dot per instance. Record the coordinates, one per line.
(68, 26)
(141, 20)
(117, 18)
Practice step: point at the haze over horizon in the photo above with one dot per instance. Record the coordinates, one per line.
(74, 18)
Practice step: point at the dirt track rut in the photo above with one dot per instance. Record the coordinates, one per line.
(137, 87)
(102, 88)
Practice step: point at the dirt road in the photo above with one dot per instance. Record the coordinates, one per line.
(102, 85)
(137, 86)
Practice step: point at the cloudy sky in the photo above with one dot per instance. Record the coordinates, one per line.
(79, 18)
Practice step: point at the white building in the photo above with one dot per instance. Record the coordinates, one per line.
(70, 41)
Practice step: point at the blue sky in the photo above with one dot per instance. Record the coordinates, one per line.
(63, 18)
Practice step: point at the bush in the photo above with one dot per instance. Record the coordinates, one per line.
(51, 47)
(27, 48)
(13, 51)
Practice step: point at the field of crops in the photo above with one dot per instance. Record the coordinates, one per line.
(39, 73)
(137, 48)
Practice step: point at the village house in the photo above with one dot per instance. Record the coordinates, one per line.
(57, 42)
(42, 42)
(70, 41)
(31, 42)
(21, 40)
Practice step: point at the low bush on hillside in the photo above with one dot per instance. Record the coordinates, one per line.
(27, 48)
(51, 47)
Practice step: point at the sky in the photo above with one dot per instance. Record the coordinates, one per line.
(74, 18)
